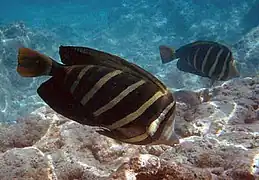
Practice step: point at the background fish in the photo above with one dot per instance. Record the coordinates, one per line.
(204, 58)
(99, 89)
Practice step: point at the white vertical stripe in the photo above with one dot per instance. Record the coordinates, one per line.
(99, 85)
(153, 127)
(68, 71)
(224, 67)
(118, 98)
(195, 58)
(79, 77)
(134, 115)
(204, 62)
(169, 128)
(212, 69)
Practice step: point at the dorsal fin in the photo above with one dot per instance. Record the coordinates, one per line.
(71, 55)
(203, 42)
(75, 55)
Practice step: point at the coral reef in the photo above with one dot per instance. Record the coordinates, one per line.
(220, 141)
(249, 19)
(219, 126)
(247, 54)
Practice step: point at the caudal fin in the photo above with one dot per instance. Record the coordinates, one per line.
(167, 54)
(32, 63)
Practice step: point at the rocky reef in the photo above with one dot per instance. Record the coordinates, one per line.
(220, 141)
(247, 54)
(220, 130)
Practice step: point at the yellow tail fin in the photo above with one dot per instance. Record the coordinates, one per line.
(167, 54)
(32, 63)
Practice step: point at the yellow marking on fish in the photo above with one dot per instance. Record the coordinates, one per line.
(131, 117)
(195, 58)
(206, 59)
(167, 132)
(212, 69)
(224, 67)
(118, 98)
(188, 60)
(69, 70)
(153, 127)
(99, 85)
(136, 138)
(169, 127)
(79, 77)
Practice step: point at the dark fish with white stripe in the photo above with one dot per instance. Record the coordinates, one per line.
(203, 58)
(100, 89)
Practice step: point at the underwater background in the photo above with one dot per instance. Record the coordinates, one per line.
(132, 29)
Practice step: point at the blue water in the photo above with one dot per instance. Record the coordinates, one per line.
(130, 28)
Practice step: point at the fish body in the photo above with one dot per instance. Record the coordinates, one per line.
(203, 58)
(99, 89)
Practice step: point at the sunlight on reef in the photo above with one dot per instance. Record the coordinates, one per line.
(217, 141)
(51, 175)
(255, 165)
(226, 118)
(219, 133)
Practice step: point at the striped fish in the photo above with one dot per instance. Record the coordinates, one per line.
(203, 58)
(99, 89)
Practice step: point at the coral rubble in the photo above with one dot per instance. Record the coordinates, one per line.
(220, 141)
